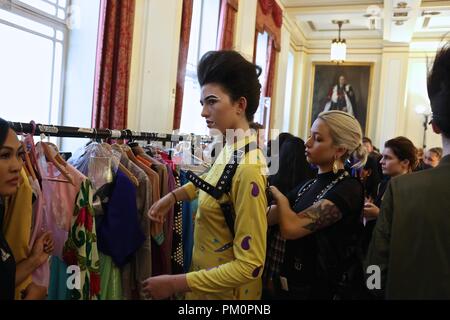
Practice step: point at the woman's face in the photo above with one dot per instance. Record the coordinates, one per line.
(431, 159)
(219, 111)
(319, 146)
(11, 155)
(392, 166)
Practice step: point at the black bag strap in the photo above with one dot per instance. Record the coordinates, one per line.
(224, 183)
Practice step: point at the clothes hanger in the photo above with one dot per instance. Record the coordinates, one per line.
(122, 168)
(57, 155)
(50, 155)
(28, 164)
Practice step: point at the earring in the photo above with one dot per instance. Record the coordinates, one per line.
(335, 166)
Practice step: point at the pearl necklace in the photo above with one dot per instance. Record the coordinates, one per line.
(324, 191)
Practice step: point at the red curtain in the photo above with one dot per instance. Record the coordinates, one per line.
(277, 15)
(266, 5)
(182, 60)
(113, 64)
(228, 13)
(269, 17)
(271, 61)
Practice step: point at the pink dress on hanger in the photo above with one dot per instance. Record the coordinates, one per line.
(59, 197)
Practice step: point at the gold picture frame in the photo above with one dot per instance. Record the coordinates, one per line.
(358, 75)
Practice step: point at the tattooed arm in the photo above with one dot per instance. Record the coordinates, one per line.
(293, 226)
(320, 215)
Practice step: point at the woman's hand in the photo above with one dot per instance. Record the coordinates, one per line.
(34, 292)
(278, 197)
(42, 248)
(158, 211)
(371, 211)
(165, 286)
(159, 287)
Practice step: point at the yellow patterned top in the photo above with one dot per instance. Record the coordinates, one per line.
(223, 267)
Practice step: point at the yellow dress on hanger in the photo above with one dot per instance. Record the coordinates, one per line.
(224, 267)
(17, 225)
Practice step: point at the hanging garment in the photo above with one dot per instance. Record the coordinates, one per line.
(188, 210)
(59, 198)
(67, 207)
(177, 243)
(59, 280)
(17, 226)
(80, 248)
(119, 233)
(41, 275)
(99, 164)
(111, 281)
(140, 268)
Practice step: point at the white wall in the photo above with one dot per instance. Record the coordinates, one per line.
(79, 84)
(154, 65)
(244, 39)
(417, 96)
(392, 104)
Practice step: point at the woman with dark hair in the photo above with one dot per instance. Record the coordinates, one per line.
(370, 177)
(399, 157)
(293, 170)
(433, 156)
(13, 273)
(320, 220)
(230, 224)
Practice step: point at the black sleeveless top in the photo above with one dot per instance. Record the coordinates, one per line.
(7, 265)
(312, 263)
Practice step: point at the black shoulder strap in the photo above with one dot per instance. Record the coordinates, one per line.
(224, 183)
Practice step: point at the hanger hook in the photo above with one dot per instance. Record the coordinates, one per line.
(33, 127)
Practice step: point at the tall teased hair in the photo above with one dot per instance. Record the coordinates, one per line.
(237, 76)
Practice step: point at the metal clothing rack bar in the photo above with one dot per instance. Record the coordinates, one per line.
(74, 132)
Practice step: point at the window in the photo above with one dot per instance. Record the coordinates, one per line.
(33, 61)
(262, 115)
(203, 38)
(288, 93)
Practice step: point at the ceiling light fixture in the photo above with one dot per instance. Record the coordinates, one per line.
(338, 46)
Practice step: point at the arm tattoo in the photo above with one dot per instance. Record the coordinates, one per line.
(322, 214)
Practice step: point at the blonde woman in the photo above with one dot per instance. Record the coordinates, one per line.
(321, 219)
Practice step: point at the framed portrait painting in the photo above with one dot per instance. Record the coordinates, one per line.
(345, 87)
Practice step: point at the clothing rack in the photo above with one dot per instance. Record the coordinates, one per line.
(75, 132)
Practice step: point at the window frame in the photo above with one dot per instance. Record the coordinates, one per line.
(31, 13)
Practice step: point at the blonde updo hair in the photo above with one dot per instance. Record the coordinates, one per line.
(346, 133)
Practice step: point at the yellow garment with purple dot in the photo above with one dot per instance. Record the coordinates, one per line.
(224, 267)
